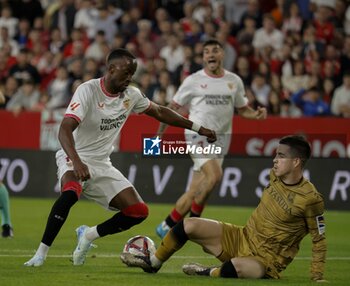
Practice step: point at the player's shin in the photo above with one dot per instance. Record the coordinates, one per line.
(227, 270)
(124, 220)
(172, 242)
(173, 218)
(58, 216)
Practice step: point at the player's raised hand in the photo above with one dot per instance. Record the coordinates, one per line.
(210, 134)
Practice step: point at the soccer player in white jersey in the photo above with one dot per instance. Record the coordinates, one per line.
(93, 119)
(211, 95)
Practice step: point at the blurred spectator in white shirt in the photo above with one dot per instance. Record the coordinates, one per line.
(261, 88)
(173, 53)
(107, 21)
(58, 90)
(340, 105)
(293, 22)
(25, 98)
(6, 20)
(85, 18)
(299, 79)
(97, 47)
(268, 35)
(6, 39)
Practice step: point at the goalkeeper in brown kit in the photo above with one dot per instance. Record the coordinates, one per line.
(290, 208)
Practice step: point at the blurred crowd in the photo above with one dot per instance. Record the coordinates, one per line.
(292, 55)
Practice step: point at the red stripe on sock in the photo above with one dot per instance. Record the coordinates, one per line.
(175, 215)
(196, 208)
(73, 186)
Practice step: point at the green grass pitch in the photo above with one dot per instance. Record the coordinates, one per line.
(103, 266)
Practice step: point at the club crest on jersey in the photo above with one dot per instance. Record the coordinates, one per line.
(73, 106)
(291, 197)
(230, 85)
(126, 103)
(321, 224)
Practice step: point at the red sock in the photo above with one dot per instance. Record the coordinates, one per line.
(175, 216)
(196, 209)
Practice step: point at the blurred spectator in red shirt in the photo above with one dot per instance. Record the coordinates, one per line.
(324, 27)
(278, 13)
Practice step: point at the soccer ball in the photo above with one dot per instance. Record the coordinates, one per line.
(140, 245)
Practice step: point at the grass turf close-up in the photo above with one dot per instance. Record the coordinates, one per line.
(103, 265)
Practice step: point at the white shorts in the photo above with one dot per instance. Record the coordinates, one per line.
(105, 183)
(199, 160)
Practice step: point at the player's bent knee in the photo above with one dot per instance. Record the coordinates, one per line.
(190, 225)
(139, 210)
(248, 267)
(73, 186)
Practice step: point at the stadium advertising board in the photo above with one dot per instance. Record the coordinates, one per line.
(162, 180)
(330, 137)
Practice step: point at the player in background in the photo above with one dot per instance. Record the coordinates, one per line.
(211, 96)
(289, 209)
(93, 119)
(7, 230)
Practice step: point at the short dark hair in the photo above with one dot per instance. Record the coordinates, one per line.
(212, 42)
(118, 54)
(299, 146)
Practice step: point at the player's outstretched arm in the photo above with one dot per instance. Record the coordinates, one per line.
(171, 117)
(163, 126)
(247, 112)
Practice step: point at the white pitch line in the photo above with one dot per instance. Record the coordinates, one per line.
(105, 255)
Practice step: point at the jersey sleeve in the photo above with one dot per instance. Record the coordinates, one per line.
(316, 225)
(142, 102)
(79, 104)
(183, 95)
(240, 100)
